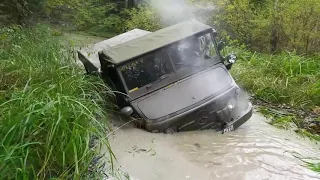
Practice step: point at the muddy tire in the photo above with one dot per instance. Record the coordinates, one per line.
(170, 130)
(138, 122)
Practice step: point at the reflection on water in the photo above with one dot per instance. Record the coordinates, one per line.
(255, 151)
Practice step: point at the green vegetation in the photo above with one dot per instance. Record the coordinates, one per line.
(49, 110)
(142, 17)
(277, 44)
(271, 25)
(279, 64)
(283, 119)
(285, 85)
(315, 167)
(282, 78)
(286, 88)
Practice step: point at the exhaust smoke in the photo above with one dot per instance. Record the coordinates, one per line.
(175, 11)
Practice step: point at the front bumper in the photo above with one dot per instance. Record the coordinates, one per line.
(243, 117)
(206, 116)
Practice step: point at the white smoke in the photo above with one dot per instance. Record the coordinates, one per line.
(175, 11)
(172, 11)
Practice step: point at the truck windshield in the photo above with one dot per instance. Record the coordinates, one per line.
(181, 59)
(146, 70)
(193, 54)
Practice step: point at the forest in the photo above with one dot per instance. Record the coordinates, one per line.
(277, 43)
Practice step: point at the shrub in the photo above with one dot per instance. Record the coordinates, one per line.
(272, 25)
(142, 17)
(48, 109)
(283, 78)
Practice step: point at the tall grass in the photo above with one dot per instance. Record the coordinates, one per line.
(48, 108)
(315, 166)
(284, 78)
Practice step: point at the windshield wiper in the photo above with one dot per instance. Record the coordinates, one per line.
(160, 79)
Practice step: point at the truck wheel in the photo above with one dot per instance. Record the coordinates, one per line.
(138, 122)
(170, 130)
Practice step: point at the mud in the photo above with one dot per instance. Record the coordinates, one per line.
(254, 151)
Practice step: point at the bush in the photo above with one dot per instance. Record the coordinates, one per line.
(48, 108)
(272, 25)
(142, 17)
(283, 78)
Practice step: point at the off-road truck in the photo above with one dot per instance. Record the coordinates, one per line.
(174, 79)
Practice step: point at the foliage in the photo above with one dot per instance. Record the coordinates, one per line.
(48, 108)
(142, 17)
(93, 15)
(272, 25)
(284, 78)
(280, 118)
(104, 17)
(314, 166)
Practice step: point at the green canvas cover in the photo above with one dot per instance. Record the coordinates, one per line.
(153, 41)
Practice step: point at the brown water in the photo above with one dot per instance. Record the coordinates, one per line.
(254, 151)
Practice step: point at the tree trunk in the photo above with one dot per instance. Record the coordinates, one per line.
(274, 41)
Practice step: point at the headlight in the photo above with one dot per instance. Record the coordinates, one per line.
(231, 104)
(232, 58)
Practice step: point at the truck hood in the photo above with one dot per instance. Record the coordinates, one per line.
(184, 93)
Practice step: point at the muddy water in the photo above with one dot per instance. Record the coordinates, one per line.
(254, 151)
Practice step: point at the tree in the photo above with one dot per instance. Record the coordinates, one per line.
(272, 25)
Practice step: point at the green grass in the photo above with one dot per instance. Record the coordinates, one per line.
(49, 110)
(285, 78)
(315, 166)
(312, 163)
(284, 120)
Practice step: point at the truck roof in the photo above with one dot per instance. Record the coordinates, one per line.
(151, 41)
(89, 55)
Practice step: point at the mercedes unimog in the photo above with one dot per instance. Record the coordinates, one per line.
(171, 80)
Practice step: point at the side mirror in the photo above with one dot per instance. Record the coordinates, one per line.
(221, 45)
(127, 110)
(214, 33)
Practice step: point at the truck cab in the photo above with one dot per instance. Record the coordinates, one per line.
(172, 80)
